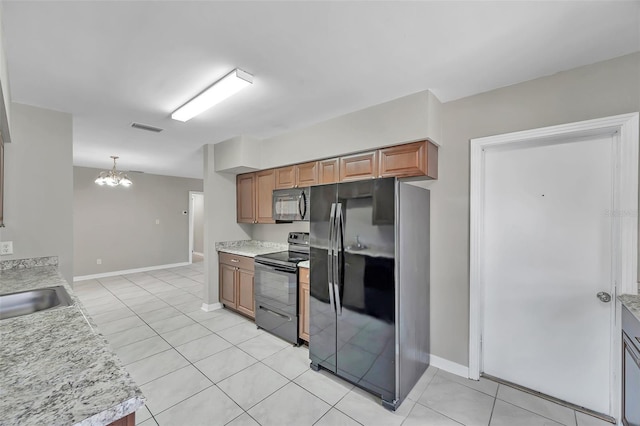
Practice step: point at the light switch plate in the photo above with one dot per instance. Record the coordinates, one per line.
(6, 248)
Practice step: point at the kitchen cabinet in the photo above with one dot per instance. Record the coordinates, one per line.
(412, 159)
(328, 171)
(236, 283)
(298, 175)
(254, 197)
(359, 166)
(303, 301)
(129, 420)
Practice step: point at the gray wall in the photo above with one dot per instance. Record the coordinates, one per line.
(118, 225)
(198, 223)
(603, 89)
(39, 186)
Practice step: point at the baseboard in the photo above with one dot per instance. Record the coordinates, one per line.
(449, 366)
(211, 307)
(128, 271)
(198, 253)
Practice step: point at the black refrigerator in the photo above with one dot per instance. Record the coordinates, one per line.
(369, 284)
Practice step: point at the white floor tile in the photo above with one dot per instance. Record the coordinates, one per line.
(324, 385)
(132, 335)
(170, 324)
(252, 385)
(175, 387)
(120, 325)
(159, 314)
(545, 408)
(368, 410)
(458, 402)
(150, 305)
(263, 346)
(422, 383)
(421, 415)
(142, 349)
(243, 420)
(186, 334)
(222, 321)
(483, 385)
(290, 361)
(203, 347)
(240, 333)
(336, 418)
(148, 422)
(289, 405)
(114, 315)
(156, 366)
(142, 414)
(505, 414)
(587, 420)
(211, 407)
(226, 363)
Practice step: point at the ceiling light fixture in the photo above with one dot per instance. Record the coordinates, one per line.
(113, 177)
(228, 85)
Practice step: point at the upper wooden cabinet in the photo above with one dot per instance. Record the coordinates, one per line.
(412, 159)
(298, 175)
(328, 171)
(359, 166)
(265, 183)
(245, 198)
(254, 199)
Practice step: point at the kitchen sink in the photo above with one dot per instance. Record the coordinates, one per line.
(28, 302)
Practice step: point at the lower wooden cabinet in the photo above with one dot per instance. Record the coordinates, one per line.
(236, 283)
(303, 302)
(129, 420)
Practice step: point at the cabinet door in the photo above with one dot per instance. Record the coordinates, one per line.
(245, 292)
(228, 285)
(307, 174)
(264, 196)
(413, 159)
(359, 166)
(245, 198)
(285, 177)
(328, 171)
(303, 294)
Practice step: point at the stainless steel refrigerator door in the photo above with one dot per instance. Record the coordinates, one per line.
(322, 318)
(365, 299)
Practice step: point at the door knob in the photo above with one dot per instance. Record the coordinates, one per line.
(604, 296)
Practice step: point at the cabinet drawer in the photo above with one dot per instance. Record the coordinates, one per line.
(304, 275)
(241, 262)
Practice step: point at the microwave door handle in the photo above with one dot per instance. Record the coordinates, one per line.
(299, 206)
(303, 211)
(330, 254)
(336, 257)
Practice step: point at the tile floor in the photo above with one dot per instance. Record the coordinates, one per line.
(216, 368)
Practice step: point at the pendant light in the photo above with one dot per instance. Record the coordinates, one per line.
(113, 177)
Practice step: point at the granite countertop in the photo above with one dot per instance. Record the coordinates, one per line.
(631, 302)
(250, 248)
(304, 264)
(55, 367)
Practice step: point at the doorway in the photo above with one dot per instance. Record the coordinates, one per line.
(548, 234)
(196, 226)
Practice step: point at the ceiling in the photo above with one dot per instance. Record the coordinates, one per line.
(115, 62)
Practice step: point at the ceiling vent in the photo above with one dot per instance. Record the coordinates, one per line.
(146, 127)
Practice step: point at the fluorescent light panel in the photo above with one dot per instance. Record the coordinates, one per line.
(218, 92)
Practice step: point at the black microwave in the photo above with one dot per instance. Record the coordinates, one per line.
(291, 205)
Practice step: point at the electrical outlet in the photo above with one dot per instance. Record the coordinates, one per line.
(157, 221)
(6, 248)
(98, 261)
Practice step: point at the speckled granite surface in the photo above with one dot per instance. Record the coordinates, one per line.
(250, 248)
(28, 263)
(55, 368)
(304, 264)
(632, 302)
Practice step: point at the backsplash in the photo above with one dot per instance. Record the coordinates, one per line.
(28, 263)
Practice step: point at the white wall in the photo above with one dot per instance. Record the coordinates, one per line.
(118, 225)
(38, 208)
(198, 223)
(5, 122)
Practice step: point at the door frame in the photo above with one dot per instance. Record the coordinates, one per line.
(191, 213)
(624, 129)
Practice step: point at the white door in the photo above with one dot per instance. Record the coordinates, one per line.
(547, 253)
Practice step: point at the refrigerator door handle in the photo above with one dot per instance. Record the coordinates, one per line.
(330, 251)
(339, 246)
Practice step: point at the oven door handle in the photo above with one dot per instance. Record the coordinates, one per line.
(272, 267)
(288, 318)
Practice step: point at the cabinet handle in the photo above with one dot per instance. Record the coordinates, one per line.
(235, 260)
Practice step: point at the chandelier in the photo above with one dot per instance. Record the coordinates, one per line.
(113, 177)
